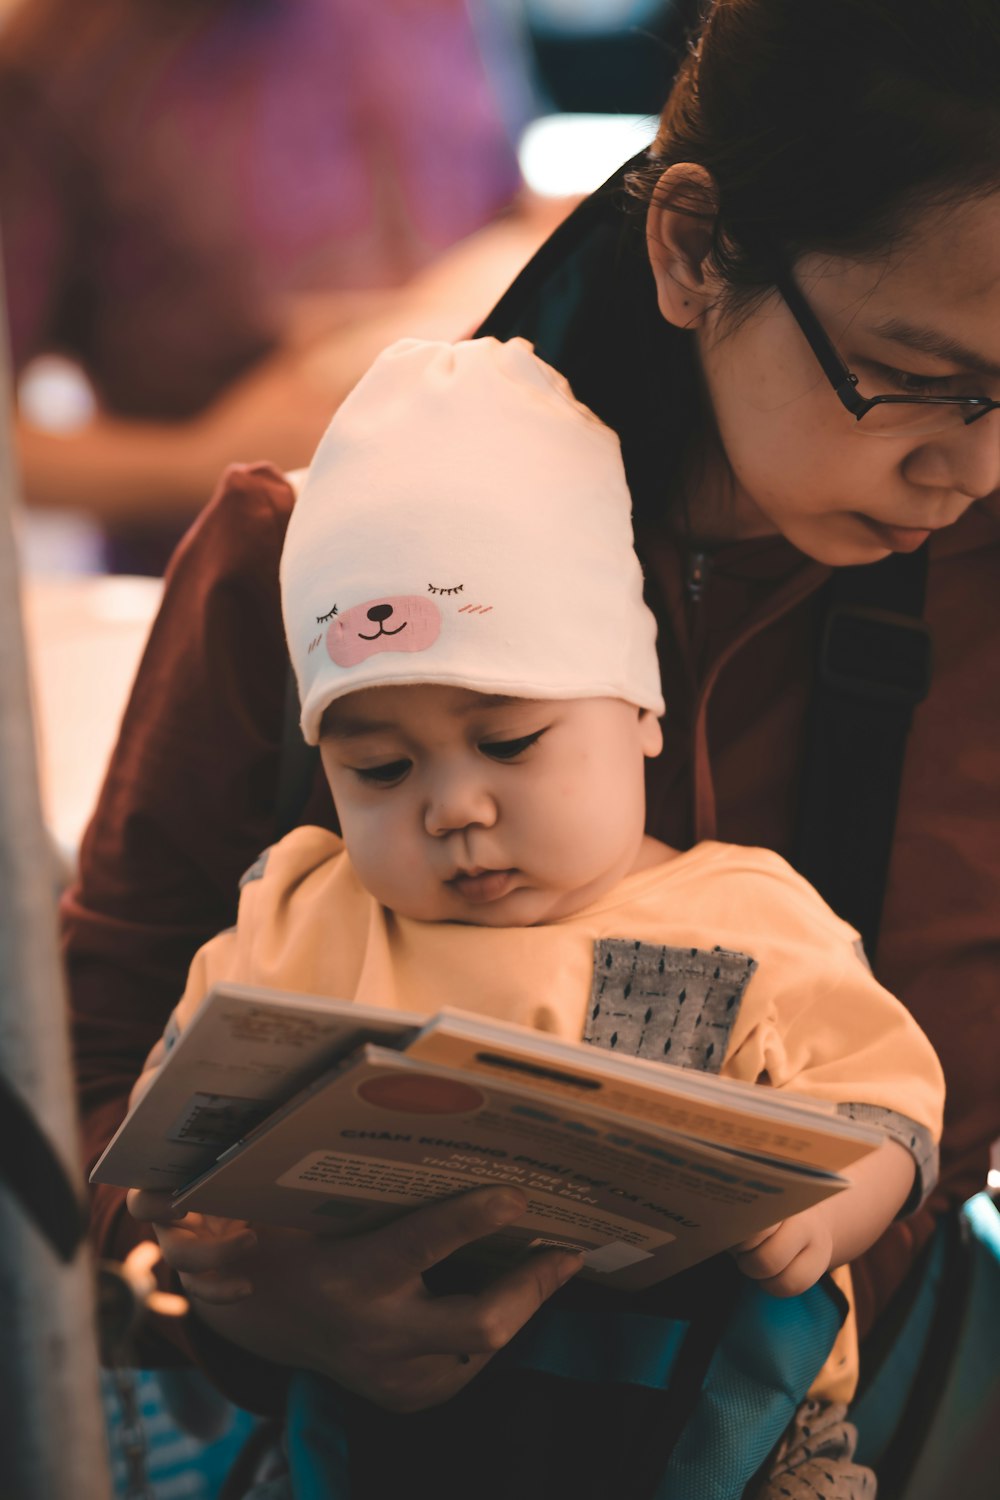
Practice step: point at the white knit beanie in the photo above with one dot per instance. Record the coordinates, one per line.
(466, 521)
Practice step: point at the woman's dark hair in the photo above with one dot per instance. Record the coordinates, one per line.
(825, 123)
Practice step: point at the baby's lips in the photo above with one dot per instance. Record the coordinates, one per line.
(402, 622)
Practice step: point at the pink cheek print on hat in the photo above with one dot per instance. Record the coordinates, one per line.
(408, 622)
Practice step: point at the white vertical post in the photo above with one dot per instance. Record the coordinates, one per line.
(52, 1434)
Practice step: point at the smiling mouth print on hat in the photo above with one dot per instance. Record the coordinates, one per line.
(402, 622)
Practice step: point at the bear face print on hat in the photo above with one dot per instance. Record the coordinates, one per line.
(465, 520)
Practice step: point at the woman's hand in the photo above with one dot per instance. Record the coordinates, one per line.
(208, 1253)
(356, 1309)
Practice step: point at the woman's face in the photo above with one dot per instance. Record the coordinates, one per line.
(920, 319)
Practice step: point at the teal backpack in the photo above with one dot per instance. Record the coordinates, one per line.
(928, 1410)
(594, 1400)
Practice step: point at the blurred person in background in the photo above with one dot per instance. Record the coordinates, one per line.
(220, 210)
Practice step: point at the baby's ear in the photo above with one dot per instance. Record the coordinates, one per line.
(650, 733)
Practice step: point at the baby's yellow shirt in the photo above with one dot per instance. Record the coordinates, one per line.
(810, 1016)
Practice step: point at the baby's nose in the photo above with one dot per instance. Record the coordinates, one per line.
(379, 612)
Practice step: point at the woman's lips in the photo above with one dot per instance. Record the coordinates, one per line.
(896, 538)
(484, 885)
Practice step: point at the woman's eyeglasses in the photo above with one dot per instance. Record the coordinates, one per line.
(884, 416)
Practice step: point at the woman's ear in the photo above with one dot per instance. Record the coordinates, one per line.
(679, 228)
(650, 733)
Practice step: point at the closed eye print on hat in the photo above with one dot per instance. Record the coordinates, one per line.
(322, 619)
(431, 589)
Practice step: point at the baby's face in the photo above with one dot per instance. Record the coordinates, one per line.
(462, 807)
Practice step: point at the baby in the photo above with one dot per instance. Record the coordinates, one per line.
(465, 617)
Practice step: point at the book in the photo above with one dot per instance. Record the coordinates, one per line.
(348, 1116)
(245, 1052)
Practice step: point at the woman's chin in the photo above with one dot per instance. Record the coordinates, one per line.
(843, 544)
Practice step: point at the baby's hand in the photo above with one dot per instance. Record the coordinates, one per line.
(791, 1256)
(209, 1254)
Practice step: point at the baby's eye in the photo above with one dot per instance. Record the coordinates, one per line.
(322, 619)
(387, 775)
(510, 749)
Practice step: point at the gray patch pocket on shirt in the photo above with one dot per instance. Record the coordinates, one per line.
(674, 1005)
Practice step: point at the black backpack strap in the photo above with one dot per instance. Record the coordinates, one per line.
(873, 667)
(519, 309)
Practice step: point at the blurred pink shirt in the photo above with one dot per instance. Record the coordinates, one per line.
(169, 173)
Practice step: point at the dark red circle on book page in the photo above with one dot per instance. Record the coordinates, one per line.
(420, 1094)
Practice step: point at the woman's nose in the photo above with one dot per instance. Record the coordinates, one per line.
(966, 459)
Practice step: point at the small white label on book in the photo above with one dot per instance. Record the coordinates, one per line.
(606, 1258)
(615, 1257)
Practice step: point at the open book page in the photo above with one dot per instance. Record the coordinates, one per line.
(389, 1131)
(740, 1116)
(245, 1052)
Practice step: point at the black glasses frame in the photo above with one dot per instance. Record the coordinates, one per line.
(844, 383)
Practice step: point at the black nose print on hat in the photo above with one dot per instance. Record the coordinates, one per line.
(379, 612)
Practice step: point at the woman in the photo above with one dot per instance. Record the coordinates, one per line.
(826, 177)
